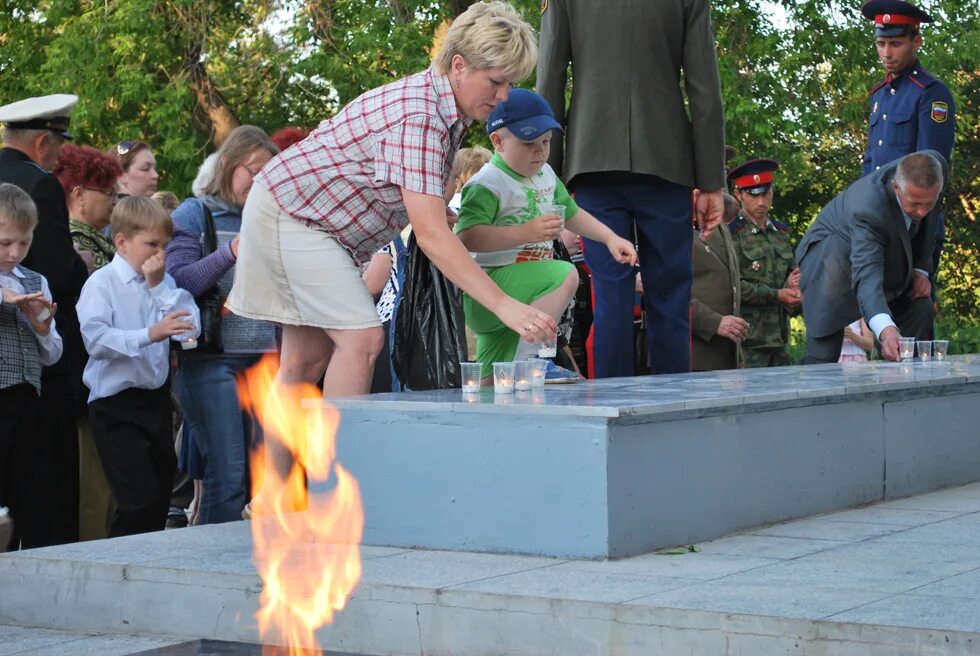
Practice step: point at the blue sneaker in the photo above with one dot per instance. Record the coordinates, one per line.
(556, 375)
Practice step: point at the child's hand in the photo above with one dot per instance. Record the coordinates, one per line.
(38, 309)
(154, 268)
(621, 250)
(544, 228)
(172, 324)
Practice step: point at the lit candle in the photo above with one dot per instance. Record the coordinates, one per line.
(503, 385)
(188, 344)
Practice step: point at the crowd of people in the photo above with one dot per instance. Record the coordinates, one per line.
(119, 299)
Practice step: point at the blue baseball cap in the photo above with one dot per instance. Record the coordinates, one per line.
(524, 113)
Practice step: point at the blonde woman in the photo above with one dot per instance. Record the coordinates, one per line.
(328, 203)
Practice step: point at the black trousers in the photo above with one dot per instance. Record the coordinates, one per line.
(914, 318)
(21, 485)
(133, 432)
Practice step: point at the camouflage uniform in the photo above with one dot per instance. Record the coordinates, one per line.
(766, 259)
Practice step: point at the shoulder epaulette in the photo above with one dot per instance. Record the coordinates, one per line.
(921, 77)
(779, 225)
(737, 224)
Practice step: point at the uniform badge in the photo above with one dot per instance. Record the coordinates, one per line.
(544, 6)
(875, 108)
(756, 266)
(940, 111)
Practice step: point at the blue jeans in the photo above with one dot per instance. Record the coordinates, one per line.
(222, 432)
(660, 212)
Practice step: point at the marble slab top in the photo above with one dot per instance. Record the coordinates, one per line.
(672, 393)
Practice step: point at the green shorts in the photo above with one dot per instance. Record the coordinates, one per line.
(523, 281)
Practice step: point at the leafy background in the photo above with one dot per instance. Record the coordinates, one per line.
(181, 74)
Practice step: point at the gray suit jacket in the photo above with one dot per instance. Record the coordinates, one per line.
(858, 255)
(627, 111)
(715, 293)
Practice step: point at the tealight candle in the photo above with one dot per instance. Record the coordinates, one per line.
(523, 375)
(470, 373)
(503, 377)
(538, 370)
(188, 344)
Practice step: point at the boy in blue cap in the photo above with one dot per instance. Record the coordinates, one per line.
(502, 222)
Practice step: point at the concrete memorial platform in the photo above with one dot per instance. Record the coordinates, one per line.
(620, 467)
(891, 579)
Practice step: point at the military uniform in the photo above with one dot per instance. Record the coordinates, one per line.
(718, 291)
(765, 258)
(53, 255)
(910, 111)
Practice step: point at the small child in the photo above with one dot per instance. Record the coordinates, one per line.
(502, 222)
(128, 311)
(466, 164)
(28, 341)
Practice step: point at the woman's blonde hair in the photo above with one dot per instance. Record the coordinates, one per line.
(134, 214)
(490, 35)
(467, 162)
(235, 150)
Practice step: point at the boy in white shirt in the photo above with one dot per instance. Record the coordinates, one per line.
(28, 341)
(501, 222)
(128, 311)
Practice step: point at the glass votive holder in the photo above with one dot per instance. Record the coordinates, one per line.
(906, 347)
(939, 349)
(553, 208)
(189, 344)
(503, 377)
(523, 378)
(924, 350)
(539, 368)
(470, 372)
(548, 348)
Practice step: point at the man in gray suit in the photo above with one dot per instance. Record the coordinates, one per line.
(633, 154)
(869, 254)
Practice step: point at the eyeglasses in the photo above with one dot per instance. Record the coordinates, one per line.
(124, 147)
(111, 195)
(250, 171)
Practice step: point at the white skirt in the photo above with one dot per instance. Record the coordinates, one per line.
(290, 274)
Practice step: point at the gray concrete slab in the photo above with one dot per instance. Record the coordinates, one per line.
(731, 450)
(867, 594)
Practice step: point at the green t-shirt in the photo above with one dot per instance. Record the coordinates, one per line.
(499, 196)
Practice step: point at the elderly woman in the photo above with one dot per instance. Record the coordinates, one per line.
(328, 203)
(139, 177)
(88, 177)
(205, 382)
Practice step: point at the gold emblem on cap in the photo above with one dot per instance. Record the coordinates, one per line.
(887, 18)
(756, 178)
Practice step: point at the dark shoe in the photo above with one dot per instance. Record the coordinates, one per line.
(176, 518)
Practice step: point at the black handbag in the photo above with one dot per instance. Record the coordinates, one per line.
(210, 303)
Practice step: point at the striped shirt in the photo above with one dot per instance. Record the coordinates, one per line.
(346, 177)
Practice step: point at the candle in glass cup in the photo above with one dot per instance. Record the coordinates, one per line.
(188, 344)
(539, 368)
(503, 377)
(548, 348)
(523, 375)
(924, 348)
(939, 348)
(906, 347)
(471, 374)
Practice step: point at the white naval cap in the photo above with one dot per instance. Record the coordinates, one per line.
(40, 113)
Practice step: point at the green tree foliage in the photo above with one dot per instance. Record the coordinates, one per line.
(182, 73)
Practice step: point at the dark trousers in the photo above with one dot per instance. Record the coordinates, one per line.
(134, 435)
(914, 318)
(660, 212)
(20, 456)
(58, 458)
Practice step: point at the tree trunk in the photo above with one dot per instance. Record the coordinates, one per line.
(212, 105)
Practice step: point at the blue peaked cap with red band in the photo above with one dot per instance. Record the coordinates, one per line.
(754, 176)
(524, 113)
(894, 17)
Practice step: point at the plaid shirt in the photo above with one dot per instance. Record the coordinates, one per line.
(346, 177)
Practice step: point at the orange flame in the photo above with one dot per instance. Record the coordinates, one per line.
(306, 546)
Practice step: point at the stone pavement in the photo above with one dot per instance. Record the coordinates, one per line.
(895, 578)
